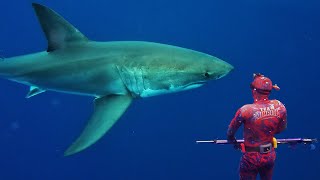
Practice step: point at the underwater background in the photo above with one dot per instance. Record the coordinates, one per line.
(155, 139)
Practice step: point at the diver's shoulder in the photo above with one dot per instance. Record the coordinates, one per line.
(276, 102)
(246, 106)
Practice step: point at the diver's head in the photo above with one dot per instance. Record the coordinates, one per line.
(261, 87)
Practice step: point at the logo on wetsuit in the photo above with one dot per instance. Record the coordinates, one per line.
(267, 111)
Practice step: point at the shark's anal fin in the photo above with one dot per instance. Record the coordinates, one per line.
(107, 111)
(58, 31)
(34, 91)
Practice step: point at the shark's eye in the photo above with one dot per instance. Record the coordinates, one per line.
(207, 75)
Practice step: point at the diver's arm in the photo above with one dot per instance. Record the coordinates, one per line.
(234, 126)
(282, 124)
(283, 119)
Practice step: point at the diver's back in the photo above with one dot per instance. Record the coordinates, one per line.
(262, 121)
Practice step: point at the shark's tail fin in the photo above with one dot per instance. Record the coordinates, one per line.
(1, 58)
(5, 70)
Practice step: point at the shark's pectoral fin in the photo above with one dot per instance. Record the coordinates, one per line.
(108, 110)
(34, 90)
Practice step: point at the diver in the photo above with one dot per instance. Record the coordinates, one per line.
(262, 120)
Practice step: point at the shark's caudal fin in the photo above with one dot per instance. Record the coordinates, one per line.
(107, 111)
(59, 32)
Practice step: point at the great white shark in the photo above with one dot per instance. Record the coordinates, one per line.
(114, 73)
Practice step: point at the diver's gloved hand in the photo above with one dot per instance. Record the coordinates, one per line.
(233, 140)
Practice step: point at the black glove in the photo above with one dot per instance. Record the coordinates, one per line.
(233, 141)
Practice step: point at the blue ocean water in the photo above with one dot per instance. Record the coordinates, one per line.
(155, 139)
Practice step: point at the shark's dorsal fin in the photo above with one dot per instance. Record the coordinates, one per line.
(58, 31)
(34, 91)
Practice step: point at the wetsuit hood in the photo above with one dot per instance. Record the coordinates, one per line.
(261, 87)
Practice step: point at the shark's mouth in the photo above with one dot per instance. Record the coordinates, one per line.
(153, 92)
(194, 85)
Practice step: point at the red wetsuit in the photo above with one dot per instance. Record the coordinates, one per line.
(262, 120)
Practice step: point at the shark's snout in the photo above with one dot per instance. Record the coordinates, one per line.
(218, 69)
(228, 68)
